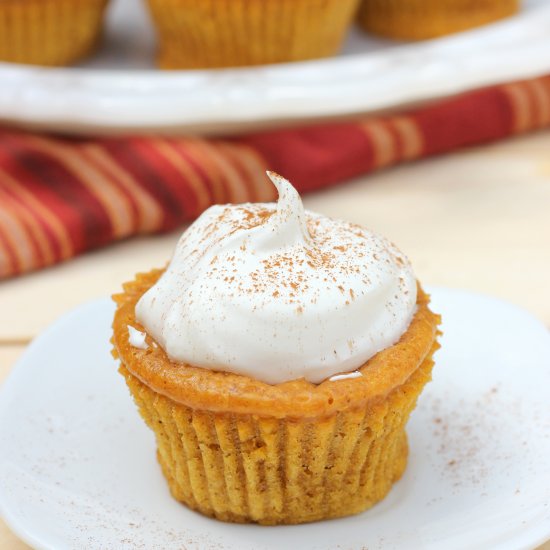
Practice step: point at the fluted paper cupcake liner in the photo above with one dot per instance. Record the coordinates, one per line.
(419, 19)
(225, 33)
(246, 468)
(49, 32)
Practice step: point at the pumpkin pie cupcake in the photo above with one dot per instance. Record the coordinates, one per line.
(49, 32)
(277, 359)
(420, 19)
(195, 34)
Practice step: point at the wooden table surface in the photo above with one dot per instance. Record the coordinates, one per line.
(478, 219)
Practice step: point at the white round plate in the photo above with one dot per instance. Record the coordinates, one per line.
(119, 89)
(78, 468)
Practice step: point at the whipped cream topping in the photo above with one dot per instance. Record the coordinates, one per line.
(136, 338)
(346, 376)
(278, 293)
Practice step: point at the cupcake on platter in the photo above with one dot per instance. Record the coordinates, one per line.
(277, 359)
(49, 32)
(195, 34)
(420, 19)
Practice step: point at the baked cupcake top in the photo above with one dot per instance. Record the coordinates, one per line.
(277, 293)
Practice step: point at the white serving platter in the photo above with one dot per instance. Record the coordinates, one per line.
(78, 468)
(119, 90)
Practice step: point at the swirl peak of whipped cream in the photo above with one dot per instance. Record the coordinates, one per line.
(278, 293)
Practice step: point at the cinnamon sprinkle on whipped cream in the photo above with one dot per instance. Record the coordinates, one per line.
(278, 293)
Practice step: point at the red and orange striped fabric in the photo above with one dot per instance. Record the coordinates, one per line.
(61, 196)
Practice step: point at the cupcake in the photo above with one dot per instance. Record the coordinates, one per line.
(420, 19)
(49, 32)
(277, 359)
(197, 34)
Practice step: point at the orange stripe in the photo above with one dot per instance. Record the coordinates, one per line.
(150, 214)
(234, 182)
(7, 257)
(253, 167)
(114, 203)
(231, 153)
(541, 99)
(521, 107)
(166, 148)
(214, 179)
(257, 167)
(385, 151)
(32, 227)
(412, 142)
(42, 212)
(18, 240)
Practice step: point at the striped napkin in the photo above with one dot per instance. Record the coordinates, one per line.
(61, 196)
